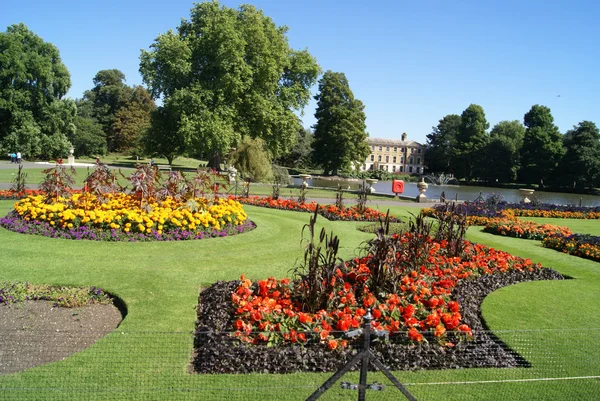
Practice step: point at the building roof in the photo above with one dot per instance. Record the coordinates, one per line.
(391, 142)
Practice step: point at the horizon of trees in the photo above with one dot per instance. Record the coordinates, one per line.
(531, 152)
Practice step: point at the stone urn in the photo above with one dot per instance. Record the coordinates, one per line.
(371, 182)
(304, 178)
(526, 193)
(422, 186)
(71, 157)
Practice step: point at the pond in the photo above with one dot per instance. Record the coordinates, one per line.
(461, 192)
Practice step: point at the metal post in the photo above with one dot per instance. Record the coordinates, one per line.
(364, 367)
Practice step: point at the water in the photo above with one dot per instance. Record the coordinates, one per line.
(464, 192)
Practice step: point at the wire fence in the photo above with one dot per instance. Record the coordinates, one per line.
(503, 365)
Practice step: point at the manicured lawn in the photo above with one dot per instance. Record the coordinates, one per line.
(159, 283)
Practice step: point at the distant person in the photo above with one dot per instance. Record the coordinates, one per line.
(13, 157)
(19, 157)
(152, 162)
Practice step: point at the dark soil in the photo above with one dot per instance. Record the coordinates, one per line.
(217, 351)
(35, 332)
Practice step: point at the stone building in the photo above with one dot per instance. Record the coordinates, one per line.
(395, 156)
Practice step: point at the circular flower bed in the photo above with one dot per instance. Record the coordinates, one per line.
(122, 217)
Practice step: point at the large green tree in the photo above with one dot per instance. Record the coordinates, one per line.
(542, 146)
(471, 141)
(132, 120)
(340, 132)
(502, 153)
(107, 97)
(581, 162)
(34, 118)
(441, 143)
(225, 74)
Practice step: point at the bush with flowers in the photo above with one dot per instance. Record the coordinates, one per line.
(153, 210)
(410, 282)
(524, 229)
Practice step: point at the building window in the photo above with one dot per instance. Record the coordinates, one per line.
(401, 169)
(418, 170)
(394, 159)
(402, 160)
(380, 147)
(419, 150)
(387, 148)
(410, 161)
(410, 169)
(372, 147)
(393, 169)
(379, 158)
(395, 148)
(387, 159)
(403, 150)
(372, 158)
(418, 160)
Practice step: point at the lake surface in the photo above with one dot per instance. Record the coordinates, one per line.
(462, 192)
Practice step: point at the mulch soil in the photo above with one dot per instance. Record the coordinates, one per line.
(36, 332)
(217, 351)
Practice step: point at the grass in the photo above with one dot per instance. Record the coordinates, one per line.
(146, 357)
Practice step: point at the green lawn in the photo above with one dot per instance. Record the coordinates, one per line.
(147, 356)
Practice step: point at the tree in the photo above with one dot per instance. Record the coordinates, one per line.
(339, 134)
(470, 142)
(132, 120)
(34, 119)
(441, 144)
(163, 137)
(226, 74)
(542, 146)
(301, 153)
(107, 97)
(502, 153)
(581, 162)
(252, 161)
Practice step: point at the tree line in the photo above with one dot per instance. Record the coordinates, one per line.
(532, 152)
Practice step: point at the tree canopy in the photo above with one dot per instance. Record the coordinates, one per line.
(470, 142)
(340, 132)
(225, 74)
(441, 143)
(502, 153)
(34, 119)
(581, 162)
(542, 145)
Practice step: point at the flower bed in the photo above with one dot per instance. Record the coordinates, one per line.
(418, 308)
(9, 194)
(524, 229)
(330, 212)
(120, 217)
(582, 245)
(479, 212)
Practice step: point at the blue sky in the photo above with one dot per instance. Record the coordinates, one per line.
(410, 62)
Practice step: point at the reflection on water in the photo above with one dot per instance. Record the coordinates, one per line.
(461, 192)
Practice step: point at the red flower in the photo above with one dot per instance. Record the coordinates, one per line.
(414, 335)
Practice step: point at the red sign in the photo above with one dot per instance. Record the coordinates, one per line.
(397, 186)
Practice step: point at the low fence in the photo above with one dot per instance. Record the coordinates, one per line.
(547, 365)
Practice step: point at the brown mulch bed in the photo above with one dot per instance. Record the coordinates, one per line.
(37, 332)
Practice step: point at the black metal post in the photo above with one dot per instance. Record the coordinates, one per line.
(364, 367)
